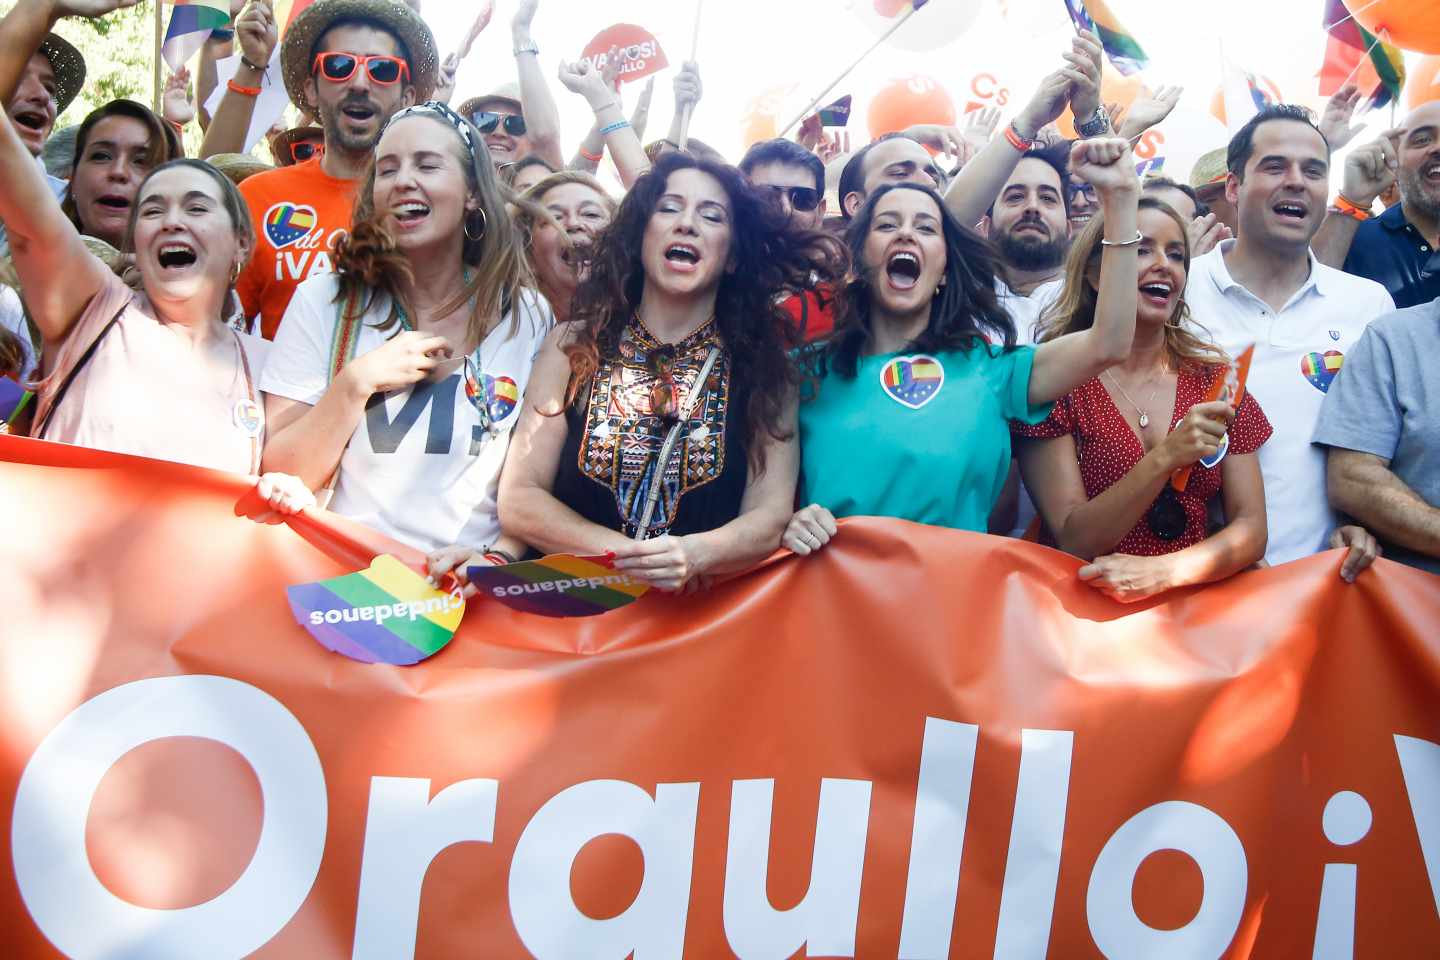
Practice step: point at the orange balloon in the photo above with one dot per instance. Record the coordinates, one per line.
(906, 101)
(1409, 24)
(1422, 84)
(762, 115)
(1267, 87)
(1115, 88)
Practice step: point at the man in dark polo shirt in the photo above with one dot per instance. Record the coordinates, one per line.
(1399, 248)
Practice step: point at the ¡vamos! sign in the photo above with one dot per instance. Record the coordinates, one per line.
(407, 828)
(637, 47)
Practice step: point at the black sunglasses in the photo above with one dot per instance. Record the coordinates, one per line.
(803, 199)
(487, 121)
(1166, 516)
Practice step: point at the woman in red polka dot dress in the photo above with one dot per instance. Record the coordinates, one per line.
(1099, 467)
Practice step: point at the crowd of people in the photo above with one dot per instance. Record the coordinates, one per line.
(425, 319)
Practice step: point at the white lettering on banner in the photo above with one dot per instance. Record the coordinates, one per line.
(1420, 766)
(824, 921)
(937, 838)
(70, 905)
(1346, 821)
(653, 926)
(406, 830)
(1032, 867)
(1199, 834)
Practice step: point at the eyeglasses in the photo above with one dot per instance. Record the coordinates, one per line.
(803, 199)
(1166, 516)
(303, 150)
(487, 121)
(339, 67)
(1083, 189)
(661, 363)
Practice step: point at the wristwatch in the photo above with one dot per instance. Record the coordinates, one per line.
(1097, 124)
(527, 48)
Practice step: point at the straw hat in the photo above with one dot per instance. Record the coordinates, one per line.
(280, 143)
(238, 166)
(107, 255)
(69, 67)
(296, 53)
(1210, 168)
(507, 93)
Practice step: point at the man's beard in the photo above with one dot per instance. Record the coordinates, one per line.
(1418, 195)
(1029, 252)
(336, 136)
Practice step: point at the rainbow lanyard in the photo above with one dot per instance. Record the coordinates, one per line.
(475, 378)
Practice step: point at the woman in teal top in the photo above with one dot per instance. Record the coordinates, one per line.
(915, 390)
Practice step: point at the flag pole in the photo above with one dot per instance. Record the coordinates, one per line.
(159, 39)
(846, 72)
(694, 53)
(1350, 15)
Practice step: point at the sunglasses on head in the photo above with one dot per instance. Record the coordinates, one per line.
(486, 121)
(339, 67)
(803, 199)
(303, 150)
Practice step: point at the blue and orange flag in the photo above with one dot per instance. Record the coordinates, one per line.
(190, 25)
(1095, 16)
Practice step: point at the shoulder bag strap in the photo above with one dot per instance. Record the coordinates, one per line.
(39, 433)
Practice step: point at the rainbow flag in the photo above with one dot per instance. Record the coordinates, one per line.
(190, 26)
(1353, 54)
(836, 114)
(1120, 46)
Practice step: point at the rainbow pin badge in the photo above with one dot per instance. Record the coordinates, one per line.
(559, 585)
(386, 614)
(912, 381)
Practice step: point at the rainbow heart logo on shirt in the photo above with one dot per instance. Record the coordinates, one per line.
(559, 585)
(912, 381)
(287, 222)
(1320, 368)
(386, 614)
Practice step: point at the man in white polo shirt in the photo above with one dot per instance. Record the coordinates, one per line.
(1266, 288)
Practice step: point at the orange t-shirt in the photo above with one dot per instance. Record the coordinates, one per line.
(299, 214)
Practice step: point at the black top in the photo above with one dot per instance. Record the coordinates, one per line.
(608, 464)
(1391, 252)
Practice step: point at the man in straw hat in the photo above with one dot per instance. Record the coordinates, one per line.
(52, 78)
(352, 63)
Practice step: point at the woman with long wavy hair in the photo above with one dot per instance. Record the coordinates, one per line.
(661, 421)
(914, 392)
(1100, 467)
(572, 210)
(401, 375)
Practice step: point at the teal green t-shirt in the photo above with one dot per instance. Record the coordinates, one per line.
(919, 437)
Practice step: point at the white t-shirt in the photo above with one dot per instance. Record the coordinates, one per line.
(1297, 352)
(420, 465)
(1025, 312)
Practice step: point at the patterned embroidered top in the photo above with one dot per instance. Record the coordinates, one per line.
(617, 426)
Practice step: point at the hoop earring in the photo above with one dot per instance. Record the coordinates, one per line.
(484, 225)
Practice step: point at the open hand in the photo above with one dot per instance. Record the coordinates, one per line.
(1206, 233)
(581, 78)
(1045, 106)
(1146, 112)
(175, 103)
(1339, 110)
(1083, 70)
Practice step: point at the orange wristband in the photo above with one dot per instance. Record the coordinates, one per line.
(592, 157)
(1345, 208)
(243, 91)
(1018, 142)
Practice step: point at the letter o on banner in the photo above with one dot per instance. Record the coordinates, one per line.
(70, 905)
(1203, 837)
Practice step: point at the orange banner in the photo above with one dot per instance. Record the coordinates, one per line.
(918, 743)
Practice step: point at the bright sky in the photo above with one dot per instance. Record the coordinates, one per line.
(749, 48)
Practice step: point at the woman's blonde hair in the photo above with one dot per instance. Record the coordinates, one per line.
(1075, 309)
(532, 216)
(368, 260)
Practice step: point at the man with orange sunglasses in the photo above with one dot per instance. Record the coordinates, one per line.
(353, 64)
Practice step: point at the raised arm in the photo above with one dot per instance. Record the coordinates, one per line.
(256, 35)
(619, 135)
(542, 117)
(58, 274)
(528, 507)
(1370, 170)
(975, 188)
(1062, 365)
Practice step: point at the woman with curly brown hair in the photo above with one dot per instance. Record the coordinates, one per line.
(401, 375)
(1100, 466)
(661, 421)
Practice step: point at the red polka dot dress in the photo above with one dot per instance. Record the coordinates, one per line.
(1108, 448)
